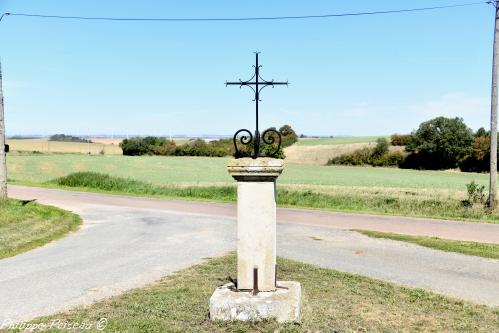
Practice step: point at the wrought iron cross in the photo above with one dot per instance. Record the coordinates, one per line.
(268, 136)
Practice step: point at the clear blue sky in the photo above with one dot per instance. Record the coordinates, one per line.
(349, 76)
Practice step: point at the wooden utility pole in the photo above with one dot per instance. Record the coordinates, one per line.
(493, 114)
(3, 156)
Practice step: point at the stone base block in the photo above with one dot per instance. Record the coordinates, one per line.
(282, 305)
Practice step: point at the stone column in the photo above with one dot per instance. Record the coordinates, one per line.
(256, 220)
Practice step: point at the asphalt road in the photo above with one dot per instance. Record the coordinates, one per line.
(127, 242)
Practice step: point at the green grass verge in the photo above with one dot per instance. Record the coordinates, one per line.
(484, 250)
(26, 226)
(332, 302)
(349, 201)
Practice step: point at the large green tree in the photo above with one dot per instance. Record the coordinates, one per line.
(440, 143)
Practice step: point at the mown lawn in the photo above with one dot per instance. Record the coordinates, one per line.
(484, 250)
(207, 170)
(332, 302)
(24, 226)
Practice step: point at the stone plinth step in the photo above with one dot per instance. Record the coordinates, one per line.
(283, 305)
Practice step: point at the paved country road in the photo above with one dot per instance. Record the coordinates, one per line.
(127, 242)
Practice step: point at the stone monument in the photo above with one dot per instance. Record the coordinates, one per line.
(256, 294)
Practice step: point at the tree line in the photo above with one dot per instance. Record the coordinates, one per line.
(152, 145)
(438, 144)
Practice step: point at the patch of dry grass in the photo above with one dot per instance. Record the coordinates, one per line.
(319, 154)
(332, 302)
(45, 146)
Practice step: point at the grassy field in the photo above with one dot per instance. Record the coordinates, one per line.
(433, 204)
(338, 140)
(205, 171)
(469, 248)
(26, 226)
(355, 189)
(332, 302)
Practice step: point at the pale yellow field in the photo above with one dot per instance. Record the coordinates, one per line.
(107, 141)
(45, 146)
(319, 154)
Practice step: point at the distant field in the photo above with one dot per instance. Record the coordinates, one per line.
(108, 145)
(320, 154)
(46, 146)
(205, 170)
(338, 140)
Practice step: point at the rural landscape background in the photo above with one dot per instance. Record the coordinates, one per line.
(383, 209)
(308, 180)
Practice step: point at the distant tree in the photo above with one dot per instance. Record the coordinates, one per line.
(67, 138)
(165, 148)
(135, 147)
(288, 135)
(439, 143)
(481, 132)
(479, 159)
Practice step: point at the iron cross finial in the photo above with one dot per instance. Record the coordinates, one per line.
(268, 136)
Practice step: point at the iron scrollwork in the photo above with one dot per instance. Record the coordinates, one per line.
(270, 137)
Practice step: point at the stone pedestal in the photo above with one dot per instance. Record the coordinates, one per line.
(256, 221)
(283, 304)
(256, 295)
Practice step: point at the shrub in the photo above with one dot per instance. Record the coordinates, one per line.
(288, 136)
(135, 147)
(476, 194)
(381, 148)
(379, 156)
(479, 159)
(358, 157)
(481, 132)
(389, 159)
(140, 146)
(440, 143)
(217, 148)
(400, 139)
(200, 147)
(165, 148)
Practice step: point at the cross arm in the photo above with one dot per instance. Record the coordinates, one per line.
(255, 83)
